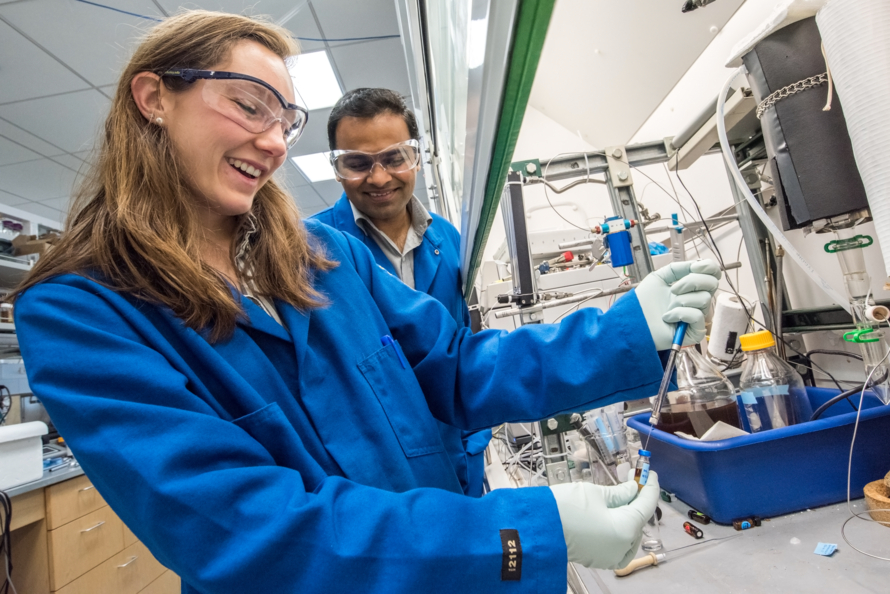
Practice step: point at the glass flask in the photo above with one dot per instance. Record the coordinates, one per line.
(772, 393)
(703, 397)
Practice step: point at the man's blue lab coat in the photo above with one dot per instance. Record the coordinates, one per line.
(308, 460)
(436, 273)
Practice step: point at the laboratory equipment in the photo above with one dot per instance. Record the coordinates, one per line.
(641, 472)
(857, 47)
(679, 334)
(693, 530)
(746, 523)
(655, 559)
(703, 397)
(772, 393)
(732, 315)
(772, 473)
(698, 517)
(849, 247)
(651, 532)
(811, 159)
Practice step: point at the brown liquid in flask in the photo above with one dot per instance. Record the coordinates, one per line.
(697, 422)
(703, 398)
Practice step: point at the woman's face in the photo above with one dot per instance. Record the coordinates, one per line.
(209, 144)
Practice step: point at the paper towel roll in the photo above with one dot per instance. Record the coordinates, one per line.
(730, 321)
(856, 36)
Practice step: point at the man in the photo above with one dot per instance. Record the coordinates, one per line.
(376, 155)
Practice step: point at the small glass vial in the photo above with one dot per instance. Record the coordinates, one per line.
(6, 313)
(651, 531)
(641, 474)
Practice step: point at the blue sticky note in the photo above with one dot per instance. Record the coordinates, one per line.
(826, 549)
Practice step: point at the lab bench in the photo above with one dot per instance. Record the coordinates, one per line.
(778, 556)
(65, 539)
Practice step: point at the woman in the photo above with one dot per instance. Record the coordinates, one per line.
(256, 399)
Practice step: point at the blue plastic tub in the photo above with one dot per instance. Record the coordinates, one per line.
(779, 471)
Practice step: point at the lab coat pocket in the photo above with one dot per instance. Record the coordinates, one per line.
(271, 429)
(402, 400)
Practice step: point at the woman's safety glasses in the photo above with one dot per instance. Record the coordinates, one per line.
(397, 158)
(250, 102)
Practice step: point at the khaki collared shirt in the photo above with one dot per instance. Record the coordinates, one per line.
(402, 260)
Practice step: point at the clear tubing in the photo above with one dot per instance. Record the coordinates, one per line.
(858, 284)
(755, 205)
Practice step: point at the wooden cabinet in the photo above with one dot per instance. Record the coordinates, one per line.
(67, 540)
(71, 500)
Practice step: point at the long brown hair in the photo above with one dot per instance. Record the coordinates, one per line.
(134, 220)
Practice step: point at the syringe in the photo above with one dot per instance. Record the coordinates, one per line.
(679, 334)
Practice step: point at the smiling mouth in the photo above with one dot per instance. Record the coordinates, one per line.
(244, 169)
(381, 194)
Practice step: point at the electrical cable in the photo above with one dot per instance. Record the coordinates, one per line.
(850, 472)
(5, 544)
(547, 195)
(818, 412)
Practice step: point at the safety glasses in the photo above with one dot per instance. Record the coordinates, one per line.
(397, 158)
(250, 102)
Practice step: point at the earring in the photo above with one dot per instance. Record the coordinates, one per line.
(159, 121)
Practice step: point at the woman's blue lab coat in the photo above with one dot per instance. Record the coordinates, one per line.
(436, 273)
(309, 460)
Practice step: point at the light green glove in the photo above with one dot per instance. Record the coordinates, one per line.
(603, 526)
(679, 292)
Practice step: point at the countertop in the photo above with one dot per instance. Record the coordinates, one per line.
(776, 557)
(50, 476)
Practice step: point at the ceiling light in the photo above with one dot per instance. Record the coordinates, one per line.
(315, 167)
(314, 80)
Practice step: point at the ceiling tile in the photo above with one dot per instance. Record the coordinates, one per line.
(315, 136)
(60, 204)
(92, 40)
(72, 121)
(329, 190)
(289, 177)
(42, 210)
(272, 8)
(373, 64)
(26, 71)
(309, 210)
(16, 134)
(10, 199)
(37, 180)
(72, 163)
(11, 152)
(368, 18)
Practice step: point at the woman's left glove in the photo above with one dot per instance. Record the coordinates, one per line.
(679, 292)
(603, 526)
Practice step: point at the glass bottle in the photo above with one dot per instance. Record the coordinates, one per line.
(651, 531)
(703, 397)
(772, 392)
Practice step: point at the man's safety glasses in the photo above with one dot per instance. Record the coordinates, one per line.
(250, 102)
(397, 158)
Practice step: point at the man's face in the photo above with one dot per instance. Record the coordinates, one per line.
(380, 195)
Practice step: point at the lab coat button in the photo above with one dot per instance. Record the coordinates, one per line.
(437, 252)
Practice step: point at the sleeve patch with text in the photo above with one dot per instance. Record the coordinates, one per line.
(511, 564)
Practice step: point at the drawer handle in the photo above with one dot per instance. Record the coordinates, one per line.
(128, 562)
(94, 527)
(86, 489)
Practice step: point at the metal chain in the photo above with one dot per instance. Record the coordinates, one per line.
(801, 85)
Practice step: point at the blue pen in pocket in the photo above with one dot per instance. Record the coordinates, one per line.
(386, 341)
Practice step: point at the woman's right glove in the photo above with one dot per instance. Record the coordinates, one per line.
(603, 526)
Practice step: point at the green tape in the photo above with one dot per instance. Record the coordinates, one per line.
(525, 53)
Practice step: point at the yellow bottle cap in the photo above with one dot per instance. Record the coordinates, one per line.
(757, 340)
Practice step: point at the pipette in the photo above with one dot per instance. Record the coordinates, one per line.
(656, 558)
(679, 334)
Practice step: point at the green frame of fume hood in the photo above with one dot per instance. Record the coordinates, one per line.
(528, 41)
